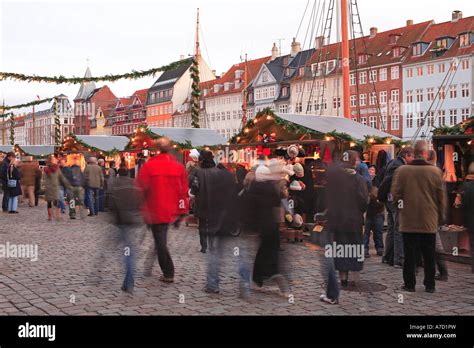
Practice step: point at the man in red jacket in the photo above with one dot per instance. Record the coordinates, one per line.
(164, 185)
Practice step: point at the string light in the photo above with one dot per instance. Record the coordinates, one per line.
(246, 130)
(352, 144)
(269, 117)
(469, 142)
(371, 140)
(388, 141)
(255, 121)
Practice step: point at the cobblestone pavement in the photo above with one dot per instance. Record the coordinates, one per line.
(63, 281)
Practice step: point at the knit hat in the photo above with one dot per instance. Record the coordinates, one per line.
(262, 173)
(293, 151)
(295, 186)
(194, 154)
(298, 169)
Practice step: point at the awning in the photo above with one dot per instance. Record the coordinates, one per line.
(104, 142)
(37, 150)
(327, 124)
(196, 136)
(6, 148)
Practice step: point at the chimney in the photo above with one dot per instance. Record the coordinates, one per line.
(457, 15)
(214, 72)
(409, 22)
(318, 42)
(181, 57)
(295, 47)
(373, 32)
(274, 51)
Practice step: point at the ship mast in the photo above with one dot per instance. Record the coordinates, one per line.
(345, 59)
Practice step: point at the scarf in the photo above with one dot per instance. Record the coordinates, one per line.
(51, 169)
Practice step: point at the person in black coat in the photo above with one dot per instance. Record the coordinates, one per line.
(13, 187)
(347, 200)
(3, 176)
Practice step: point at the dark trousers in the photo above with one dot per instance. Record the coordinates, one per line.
(160, 234)
(93, 200)
(6, 196)
(425, 244)
(374, 224)
(203, 240)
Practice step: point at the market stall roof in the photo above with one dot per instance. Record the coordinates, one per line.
(196, 136)
(37, 150)
(6, 148)
(104, 142)
(327, 124)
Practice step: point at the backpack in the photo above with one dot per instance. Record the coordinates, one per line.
(77, 179)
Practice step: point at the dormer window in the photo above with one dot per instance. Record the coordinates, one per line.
(465, 39)
(301, 71)
(362, 59)
(205, 91)
(285, 60)
(265, 76)
(330, 66)
(287, 71)
(396, 52)
(443, 43)
(419, 48)
(238, 74)
(217, 88)
(227, 86)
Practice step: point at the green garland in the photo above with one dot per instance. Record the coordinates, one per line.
(458, 129)
(92, 148)
(370, 140)
(76, 80)
(57, 124)
(8, 114)
(19, 106)
(195, 105)
(12, 130)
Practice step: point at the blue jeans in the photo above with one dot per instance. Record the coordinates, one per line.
(126, 238)
(93, 200)
(248, 245)
(12, 203)
(374, 224)
(61, 198)
(328, 269)
(394, 241)
(217, 246)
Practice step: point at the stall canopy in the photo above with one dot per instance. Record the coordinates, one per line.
(104, 142)
(327, 124)
(196, 137)
(37, 150)
(6, 148)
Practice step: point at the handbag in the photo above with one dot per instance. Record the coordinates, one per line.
(11, 183)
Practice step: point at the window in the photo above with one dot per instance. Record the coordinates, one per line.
(363, 77)
(419, 71)
(430, 118)
(453, 93)
(383, 74)
(396, 52)
(362, 59)
(441, 118)
(442, 93)
(336, 102)
(410, 120)
(442, 43)
(409, 72)
(395, 122)
(373, 98)
(264, 93)
(309, 106)
(430, 69)
(420, 121)
(453, 116)
(353, 101)
(395, 72)
(301, 71)
(465, 90)
(363, 99)
(419, 95)
(395, 96)
(299, 107)
(363, 120)
(287, 71)
(235, 115)
(464, 40)
(465, 64)
(430, 94)
(264, 76)
(441, 68)
(383, 121)
(373, 121)
(352, 79)
(228, 115)
(409, 96)
(373, 76)
(464, 114)
(383, 98)
(258, 94)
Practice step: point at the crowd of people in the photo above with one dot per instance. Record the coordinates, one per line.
(277, 191)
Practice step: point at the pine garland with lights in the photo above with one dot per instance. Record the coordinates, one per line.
(76, 140)
(32, 103)
(133, 75)
(195, 93)
(459, 129)
(12, 130)
(57, 124)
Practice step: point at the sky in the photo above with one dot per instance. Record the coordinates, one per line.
(64, 37)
